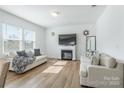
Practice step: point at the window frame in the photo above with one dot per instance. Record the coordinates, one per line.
(24, 40)
(3, 36)
(21, 40)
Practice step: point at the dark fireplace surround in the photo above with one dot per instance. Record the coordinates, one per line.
(66, 54)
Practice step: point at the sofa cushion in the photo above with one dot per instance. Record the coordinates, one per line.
(108, 61)
(37, 52)
(38, 58)
(95, 59)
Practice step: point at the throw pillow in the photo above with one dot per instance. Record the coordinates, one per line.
(95, 59)
(37, 52)
(30, 54)
(108, 61)
(21, 53)
(111, 63)
(24, 53)
(103, 56)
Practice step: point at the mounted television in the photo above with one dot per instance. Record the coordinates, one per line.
(67, 39)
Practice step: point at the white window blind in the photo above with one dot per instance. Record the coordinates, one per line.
(12, 37)
(29, 39)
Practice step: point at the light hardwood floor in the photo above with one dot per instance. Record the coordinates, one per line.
(68, 77)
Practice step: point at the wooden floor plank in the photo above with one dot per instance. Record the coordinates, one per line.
(68, 77)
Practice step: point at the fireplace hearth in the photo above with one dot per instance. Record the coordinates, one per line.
(66, 54)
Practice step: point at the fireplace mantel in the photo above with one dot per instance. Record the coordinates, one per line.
(73, 48)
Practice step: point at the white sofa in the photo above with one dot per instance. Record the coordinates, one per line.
(38, 61)
(100, 76)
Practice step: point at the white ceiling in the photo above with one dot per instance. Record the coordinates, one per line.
(69, 14)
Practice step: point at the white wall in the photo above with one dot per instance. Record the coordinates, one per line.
(110, 31)
(6, 17)
(52, 47)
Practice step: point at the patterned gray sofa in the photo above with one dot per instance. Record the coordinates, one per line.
(38, 61)
(22, 63)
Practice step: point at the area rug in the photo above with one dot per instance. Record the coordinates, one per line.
(53, 69)
(60, 63)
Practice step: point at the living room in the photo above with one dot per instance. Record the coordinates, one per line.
(59, 42)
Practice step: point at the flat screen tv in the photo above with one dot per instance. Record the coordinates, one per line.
(67, 39)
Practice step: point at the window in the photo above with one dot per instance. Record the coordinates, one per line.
(29, 40)
(12, 37)
(15, 38)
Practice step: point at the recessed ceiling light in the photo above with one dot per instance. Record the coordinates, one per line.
(55, 13)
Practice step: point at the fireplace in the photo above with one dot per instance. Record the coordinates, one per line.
(66, 54)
